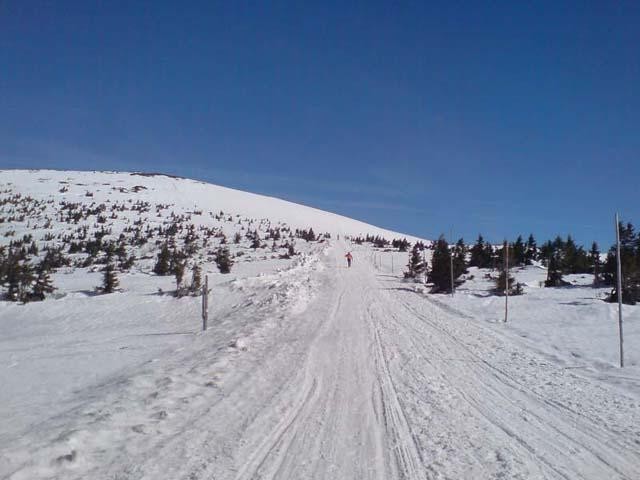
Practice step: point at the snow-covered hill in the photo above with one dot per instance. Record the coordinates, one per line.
(184, 195)
(308, 369)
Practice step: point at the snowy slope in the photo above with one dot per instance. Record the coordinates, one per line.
(368, 380)
(185, 193)
(309, 369)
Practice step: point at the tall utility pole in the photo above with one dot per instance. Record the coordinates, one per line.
(506, 281)
(619, 289)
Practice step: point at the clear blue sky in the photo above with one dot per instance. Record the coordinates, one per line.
(415, 116)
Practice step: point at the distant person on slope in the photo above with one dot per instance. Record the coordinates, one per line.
(349, 257)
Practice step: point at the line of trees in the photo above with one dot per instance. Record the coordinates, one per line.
(630, 261)
(561, 256)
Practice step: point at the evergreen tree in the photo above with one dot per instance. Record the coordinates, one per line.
(162, 263)
(546, 252)
(440, 274)
(401, 245)
(27, 279)
(196, 280)
(531, 251)
(594, 260)
(223, 260)
(459, 259)
(489, 256)
(554, 273)
(574, 258)
(42, 286)
(477, 253)
(499, 257)
(121, 252)
(255, 241)
(501, 281)
(519, 252)
(630, 263)
(109, 279)
(417, 265)
(12, 277)
(178, 272)
(177, 261)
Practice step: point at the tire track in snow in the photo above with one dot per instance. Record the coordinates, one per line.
(279, 440)
(588, 425)
(278, 444)
(405, 449)
(496, 393)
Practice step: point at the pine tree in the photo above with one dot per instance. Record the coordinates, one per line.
(501, 284)
(478, 254)
(498, 258)
(26, 279)
(630, 263)
(554, 273)
(196, 280)
(440, 274)
(546, 252)
(12, 276)
(401, 245)
(121, 252)
(223, 260)
(255, 242)
(42, 286)
(531, 251)
(459, 259)
(162, 263)
(489, 256)
(417, 265)
(178, 272)
(569, 256)
(109, 279)
(594, 260)
(519, 254)
(311, 236)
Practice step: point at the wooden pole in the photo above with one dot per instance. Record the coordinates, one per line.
(619, 269)
(391, 262)
(205, 302)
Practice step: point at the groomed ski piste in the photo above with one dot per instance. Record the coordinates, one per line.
(308, 369)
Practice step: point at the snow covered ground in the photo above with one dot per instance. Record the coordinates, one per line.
(310, 369)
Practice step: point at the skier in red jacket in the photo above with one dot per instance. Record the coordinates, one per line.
(349, 258)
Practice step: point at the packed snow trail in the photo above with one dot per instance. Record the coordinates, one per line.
(372, 381)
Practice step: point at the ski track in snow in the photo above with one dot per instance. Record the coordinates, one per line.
(365, 380)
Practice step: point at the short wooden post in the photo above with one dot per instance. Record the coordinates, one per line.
(205, 302)
(392, 263)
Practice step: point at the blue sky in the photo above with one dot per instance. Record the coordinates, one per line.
(423, 117)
